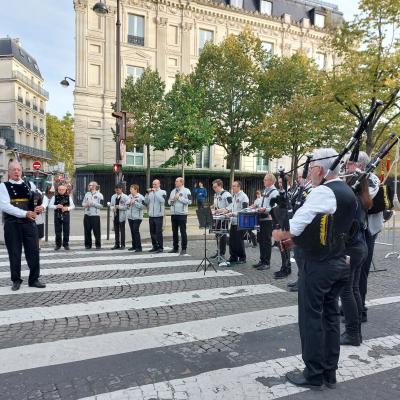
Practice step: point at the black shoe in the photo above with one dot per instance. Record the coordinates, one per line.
(294, 289)
(37, 284)
(282, 273)
(264, 267)
(330, 379)
(57, 248)
(98, 247)
(259, 264)
(15, 286)
(241, 261)
(66, 247)
(364, 317)
(137, 250)
(131, 249)
(349, 340)
(122, 248)
(88, 248)
(159, 251)
(152, 250)
(292, 284)
(183, 252)
(232, 260)
(173, 251)
(298, 379)
(115, 247)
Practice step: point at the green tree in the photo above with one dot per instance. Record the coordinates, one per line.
(368, 66)
(301, 113)
(144, 99)
(60, 140)
(182, 125)
(228, 74)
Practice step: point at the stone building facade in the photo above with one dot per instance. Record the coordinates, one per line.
(168, 36)
(22, 106)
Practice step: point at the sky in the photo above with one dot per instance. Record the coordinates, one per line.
(46, 31)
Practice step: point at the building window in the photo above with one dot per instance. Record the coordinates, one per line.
(268, 47)
(320, 60)
(319, 20)
(266, 7)
(173, 34)
(136, 29)
(134, 72)
(261, 162)
(203, 158)
(204, 37)
(135, 157)
(237, 3)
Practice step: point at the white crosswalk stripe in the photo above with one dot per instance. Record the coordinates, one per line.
(30, 308)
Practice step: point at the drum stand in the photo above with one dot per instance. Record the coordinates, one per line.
(219, 259)
(205, 221)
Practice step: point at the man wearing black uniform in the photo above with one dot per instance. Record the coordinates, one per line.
(325, 271)
(62, 204)
(19, 213)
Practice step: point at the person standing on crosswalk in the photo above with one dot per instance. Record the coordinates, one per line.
(119, 207)
(222, 205)
(240, 201)
(92, 203)
(134, 214)
(62, 203)
(155, 201)
(19, 214)
(180, 199)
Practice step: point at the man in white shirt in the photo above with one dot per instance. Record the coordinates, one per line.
(17, 204)
(325, 270)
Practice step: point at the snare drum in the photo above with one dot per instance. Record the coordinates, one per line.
(220, 225)
(247, 220)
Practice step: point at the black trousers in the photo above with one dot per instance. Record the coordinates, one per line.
(156, 232)
(264, 240)
(236, 244)
(320, 284)
(351, 298)
(61, 228)
(134, 225)
(370, 241)
(119, 232)
(16, 235)
(285, 258)
(298, 255)
(179, 224)
(92, 223)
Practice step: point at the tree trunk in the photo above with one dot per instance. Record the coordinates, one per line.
(232, 175)
(148, 166)
(183, 165)
(369, 143)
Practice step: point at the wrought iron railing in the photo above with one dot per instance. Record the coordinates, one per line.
(37, 88)
(138, 40)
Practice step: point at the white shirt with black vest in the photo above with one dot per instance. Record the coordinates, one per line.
(265, 202)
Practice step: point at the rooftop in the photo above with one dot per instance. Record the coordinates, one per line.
(11, 48)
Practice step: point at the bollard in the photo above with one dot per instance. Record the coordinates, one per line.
(46, 225)
(108, 221)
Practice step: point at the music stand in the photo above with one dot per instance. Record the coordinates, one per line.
(205, 219)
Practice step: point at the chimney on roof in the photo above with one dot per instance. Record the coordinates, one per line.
(17, 41)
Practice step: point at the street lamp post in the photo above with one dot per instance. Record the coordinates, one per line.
(101, 8)
(65, 82)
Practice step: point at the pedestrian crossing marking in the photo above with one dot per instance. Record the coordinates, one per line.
(20, 315)
(103, 283)
(106, 268)
(245, 382)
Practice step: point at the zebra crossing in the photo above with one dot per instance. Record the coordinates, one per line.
(114, 325)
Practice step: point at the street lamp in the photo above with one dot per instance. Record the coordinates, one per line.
(65, 83)
(100, 8)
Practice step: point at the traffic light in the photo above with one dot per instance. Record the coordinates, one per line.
(117, 168)
(124, 117)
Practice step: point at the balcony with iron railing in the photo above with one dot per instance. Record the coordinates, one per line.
(35, 128)
(35, 107)
(138, 40)
(27, 103)
(27, 125)
(20, 99)
(41, 111)
(7, 133)
(20, 122)
(37, 88)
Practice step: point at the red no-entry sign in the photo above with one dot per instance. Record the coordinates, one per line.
(36, 165)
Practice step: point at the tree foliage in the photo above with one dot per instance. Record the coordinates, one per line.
(368, 66)
(60, 140)
(182, 125)
(144, 100)
(302, 114)
(228, 74)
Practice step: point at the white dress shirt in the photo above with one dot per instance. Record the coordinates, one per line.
(321, 200)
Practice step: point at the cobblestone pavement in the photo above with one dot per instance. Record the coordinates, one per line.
(113, 325)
